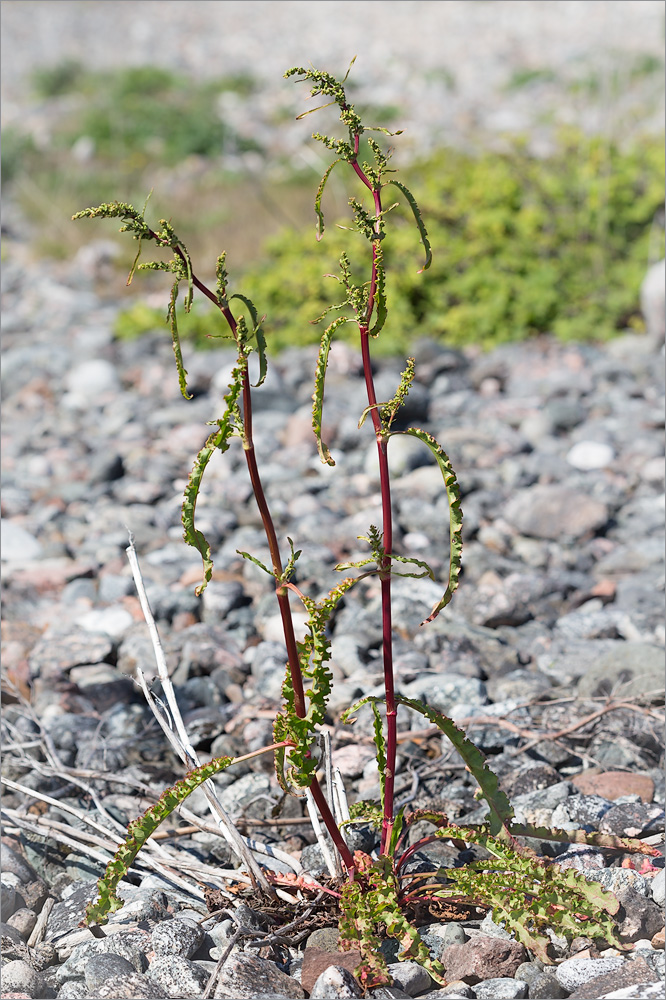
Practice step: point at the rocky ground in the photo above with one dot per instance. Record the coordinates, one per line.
(550, 654)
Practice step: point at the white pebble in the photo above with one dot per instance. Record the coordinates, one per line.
(588, 455)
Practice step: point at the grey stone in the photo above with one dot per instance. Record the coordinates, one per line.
(17, 544)
(54, 654)
(437, 937)
(491, 929)
(580, 812)
(648, 991)
(552, 511)
(633, 819)
(19, 977)
(410, 977)
(576, 972)
(537, 807)
(132, 986)
(618, 879)
(129, 945)
(177, 976)
(177, 937)
(529, 971)
(335, 982)
(631, 669)
(89, 380)
(12, 944)
(15, 863)
(501, 989)
(74, 989)
(245, 977)
(102, 966)
(634, 973)
(442, 693)
(545, 986)
(7, 899)
(67, 914)
(657, 887)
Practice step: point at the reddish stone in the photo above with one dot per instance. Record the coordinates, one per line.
(658, 940)
(613, 784)
(481, 958)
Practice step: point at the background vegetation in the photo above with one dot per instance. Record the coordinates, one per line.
(522, 245)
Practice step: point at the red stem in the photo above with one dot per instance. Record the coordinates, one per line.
(387, 530)
(281, 591)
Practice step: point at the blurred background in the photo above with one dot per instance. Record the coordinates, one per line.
(533, 138)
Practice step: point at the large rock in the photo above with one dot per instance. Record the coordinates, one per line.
(628, 670)
(483, 958)
(556, 512)
(245, 977)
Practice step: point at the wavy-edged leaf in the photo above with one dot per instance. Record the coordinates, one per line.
(291, 562)
(257, 562)
(313, 654)
(138, 832)
(175, 341)
(607, 841)
(380, 289)
(380, 744)
(455, 515)
(427, 571)
(419, 221)
(501, 810)
(258, 333)
(318, 394)
(532, 896)
(390, 409)
(227, 426)
(328, 309)
(221, 278)
(320, 191)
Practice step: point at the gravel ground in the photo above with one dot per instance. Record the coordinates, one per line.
(550, 654)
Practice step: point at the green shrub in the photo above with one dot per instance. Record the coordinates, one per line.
(151, 113)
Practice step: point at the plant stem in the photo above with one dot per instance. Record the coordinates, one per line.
(387, 526)
(282, 593)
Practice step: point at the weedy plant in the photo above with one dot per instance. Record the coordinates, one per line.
(376, 896)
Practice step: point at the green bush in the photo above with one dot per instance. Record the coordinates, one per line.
(150, 113)
(521, 246)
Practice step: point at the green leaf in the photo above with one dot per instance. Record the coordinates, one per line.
(175, 340)
(380, 289)
(380, 743)
(501, 811)
(313, 654)
(455, 515)
(138, 832)
(419, 221)
(320, 191)
(257, 562)
(318, 394)
(531, 895)
(390, 409)
(228, 425)
(258, 333)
